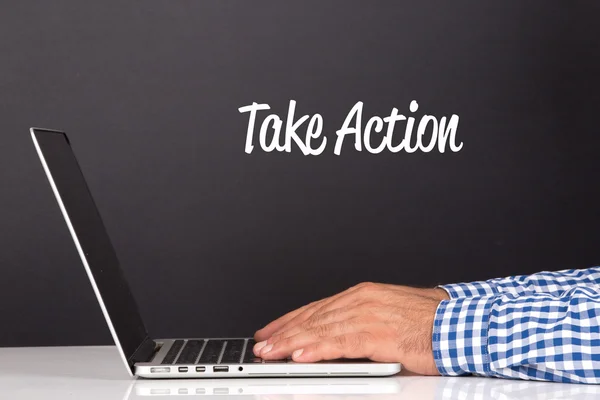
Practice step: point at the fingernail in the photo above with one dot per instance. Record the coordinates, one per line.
(297, 353)
(266, 349)
(258, 346)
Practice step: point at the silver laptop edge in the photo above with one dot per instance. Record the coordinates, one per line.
(157, 349)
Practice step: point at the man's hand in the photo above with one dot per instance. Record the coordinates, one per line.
(385, 323)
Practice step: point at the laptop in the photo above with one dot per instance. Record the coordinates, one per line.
(143, 355)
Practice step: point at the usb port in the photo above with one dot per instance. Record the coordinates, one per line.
(183, 369)
(200, 369)
(221, 368)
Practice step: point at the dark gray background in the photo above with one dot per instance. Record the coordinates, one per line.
(217, 242)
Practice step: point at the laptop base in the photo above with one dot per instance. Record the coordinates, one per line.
(233, 358)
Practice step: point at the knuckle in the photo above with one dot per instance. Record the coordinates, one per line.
(308, 324)
(343, 326)
(361, 340)
(277, 337)
(321, 330)
(326, 316)
(355, 342)
(285, 343)
(341, 340)
(317, 313)
(363, 345)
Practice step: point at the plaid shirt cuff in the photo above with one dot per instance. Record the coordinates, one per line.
(460, 333)
(472, 289)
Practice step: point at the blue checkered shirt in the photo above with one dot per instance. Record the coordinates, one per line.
(544, 326)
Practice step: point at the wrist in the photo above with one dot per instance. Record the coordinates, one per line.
(436, 293)
(440, 294)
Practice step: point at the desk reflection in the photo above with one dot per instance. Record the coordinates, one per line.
(399, 387)
(267, 388)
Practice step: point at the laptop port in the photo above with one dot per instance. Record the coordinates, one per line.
(183, 369)
(221, 368)
(160, 370)
(200, 369)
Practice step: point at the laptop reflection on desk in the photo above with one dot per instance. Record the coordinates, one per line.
(273, 386)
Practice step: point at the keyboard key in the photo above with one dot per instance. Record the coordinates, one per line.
(172, 353)
(190, 352)
(233, 352)
(249, 356)
(211, 352)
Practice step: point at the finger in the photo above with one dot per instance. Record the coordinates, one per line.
(352, 345)
(285, 347)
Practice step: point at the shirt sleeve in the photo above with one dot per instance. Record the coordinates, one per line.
(538, 336)
(555, 283)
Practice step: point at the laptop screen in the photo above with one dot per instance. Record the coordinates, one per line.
(91, 240)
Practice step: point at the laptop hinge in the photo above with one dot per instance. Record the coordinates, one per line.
(144, 353)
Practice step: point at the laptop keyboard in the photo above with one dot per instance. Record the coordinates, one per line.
(213, 351)
(173, 352)
(191, 352)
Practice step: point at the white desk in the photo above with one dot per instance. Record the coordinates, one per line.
(66, 373)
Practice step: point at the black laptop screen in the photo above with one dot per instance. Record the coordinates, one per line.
(93, 239)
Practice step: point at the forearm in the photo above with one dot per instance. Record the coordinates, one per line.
(537, 336)
(554, 283)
